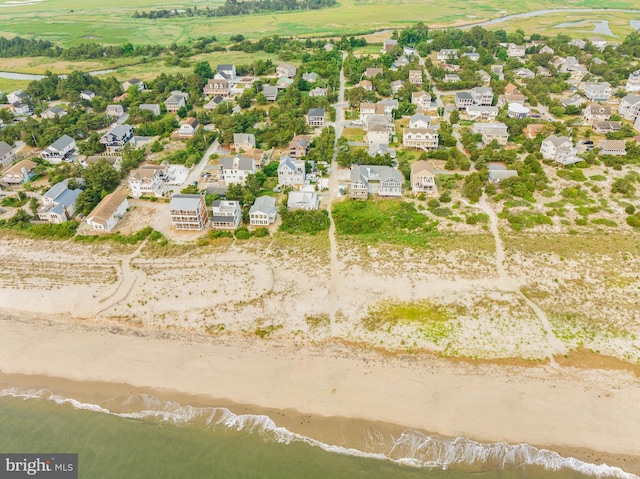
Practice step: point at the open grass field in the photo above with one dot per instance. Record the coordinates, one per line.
(71, 22)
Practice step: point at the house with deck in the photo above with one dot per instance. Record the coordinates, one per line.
(59, 150)
(291, 172)
(108, 212)
(423, 178)
(59, 203)
(116, 139)
(380, 180)
(263, 211)
(188, 212)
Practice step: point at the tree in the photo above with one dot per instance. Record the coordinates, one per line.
(472, 187)
(203, 70)
(101, 176)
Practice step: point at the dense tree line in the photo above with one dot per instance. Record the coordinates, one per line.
(233, 7)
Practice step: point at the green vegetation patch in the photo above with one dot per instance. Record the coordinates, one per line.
(431, 320)
(385, 221)
(302, 221)
(525, 219)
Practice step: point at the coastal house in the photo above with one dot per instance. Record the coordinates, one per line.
(380, 180)
(310, 77)
(59, 150)
(53, 112)
(559, 149)
(597, 91)
(543, 72)
(152, 107)
(18, 96)
(377, 133)
(596, 112)
(492, 131)
(573, 100)
(215, 87)
(366, 85)
(423, 178)
(18, 173)
(147, 182)
(117, 138)
(447, 54)
(419, 133)
(214, 103)
(7, 155)
(511, 99)
(629, 107)
(270, 92)
(613, 147)
(633, 82)
(605, 127)
(108, 212)
(598, 42)
(244, 141)
(388, 45)
(524, 73)
(187, 129)
(132, 82)
(482, 95)
(87, 95)
(372, 72)
(482, 112)
(315, 117)
(415, 77)
(225, 71)
(516, 51)
(303, 200)
(175, 102)
(451, 78)
(463, 99)
(286, 70)
(299, 146)
(114, 110)
(318, 92)
(188, 212)
(396, 86)
(291, 172)
(473, 56)
(422, 100)
(59, 203)
(263, 211)
(484, 76)
(234, 170)
(225, 215)
(498, 70)
(381, 150)
(19, 109)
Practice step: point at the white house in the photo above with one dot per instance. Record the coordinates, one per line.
(303, 200)
(423, 178)
(447, 54)
(419, 133)
(633, 82)
(560, 149)
(87, 95)
(422, 100)
(147, 182)
(596, 91)
(59, 203)
(116, 139)
(59, 150)
(291, 172)
(114, 110)
(109, 211)
(7, 155)
(516, 51)
(630, 107)
(244, 141)
(225, 215)
(263, 212)
(380, 180)
(234, 170)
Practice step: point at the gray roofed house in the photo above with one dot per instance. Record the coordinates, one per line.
(303, 200)
(495, 176)
(560, 149)
(573, 100)
(263, 211)
(152, 107)
(270, 92)
(226, 214)
(174, 103)
(463, 100)
(630, 107)
(311, 77)
(114, 110)
(234, 170)
(188, 212)
(381, 180)
(244, 141)
(381, 149)
(53, 112)
(59, 149)
(315, 117)
(291, 172)
(59, 203)
(117, 138)
(7, 155)
(613, 147)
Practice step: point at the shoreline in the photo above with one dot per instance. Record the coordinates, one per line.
(333, 394)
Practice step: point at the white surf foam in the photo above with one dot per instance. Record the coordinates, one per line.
(412, 448)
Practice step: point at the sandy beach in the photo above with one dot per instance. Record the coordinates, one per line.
(572, 411)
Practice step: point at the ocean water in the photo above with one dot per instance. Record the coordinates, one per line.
(156, 439)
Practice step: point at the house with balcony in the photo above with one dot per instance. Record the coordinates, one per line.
(381, 180)
(117, 138)
(59, 203)
(303, 200)
(291, 172)
(147, 182)
(234, 170)
(59, 150)
(423, 178)
(263, 211)
(559, 149)
(188, 212)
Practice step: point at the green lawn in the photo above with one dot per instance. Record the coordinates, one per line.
(70, 22)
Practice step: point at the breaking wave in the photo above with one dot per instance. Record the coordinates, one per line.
(411, 448)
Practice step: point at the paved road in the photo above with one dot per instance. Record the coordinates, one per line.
(196, 171)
